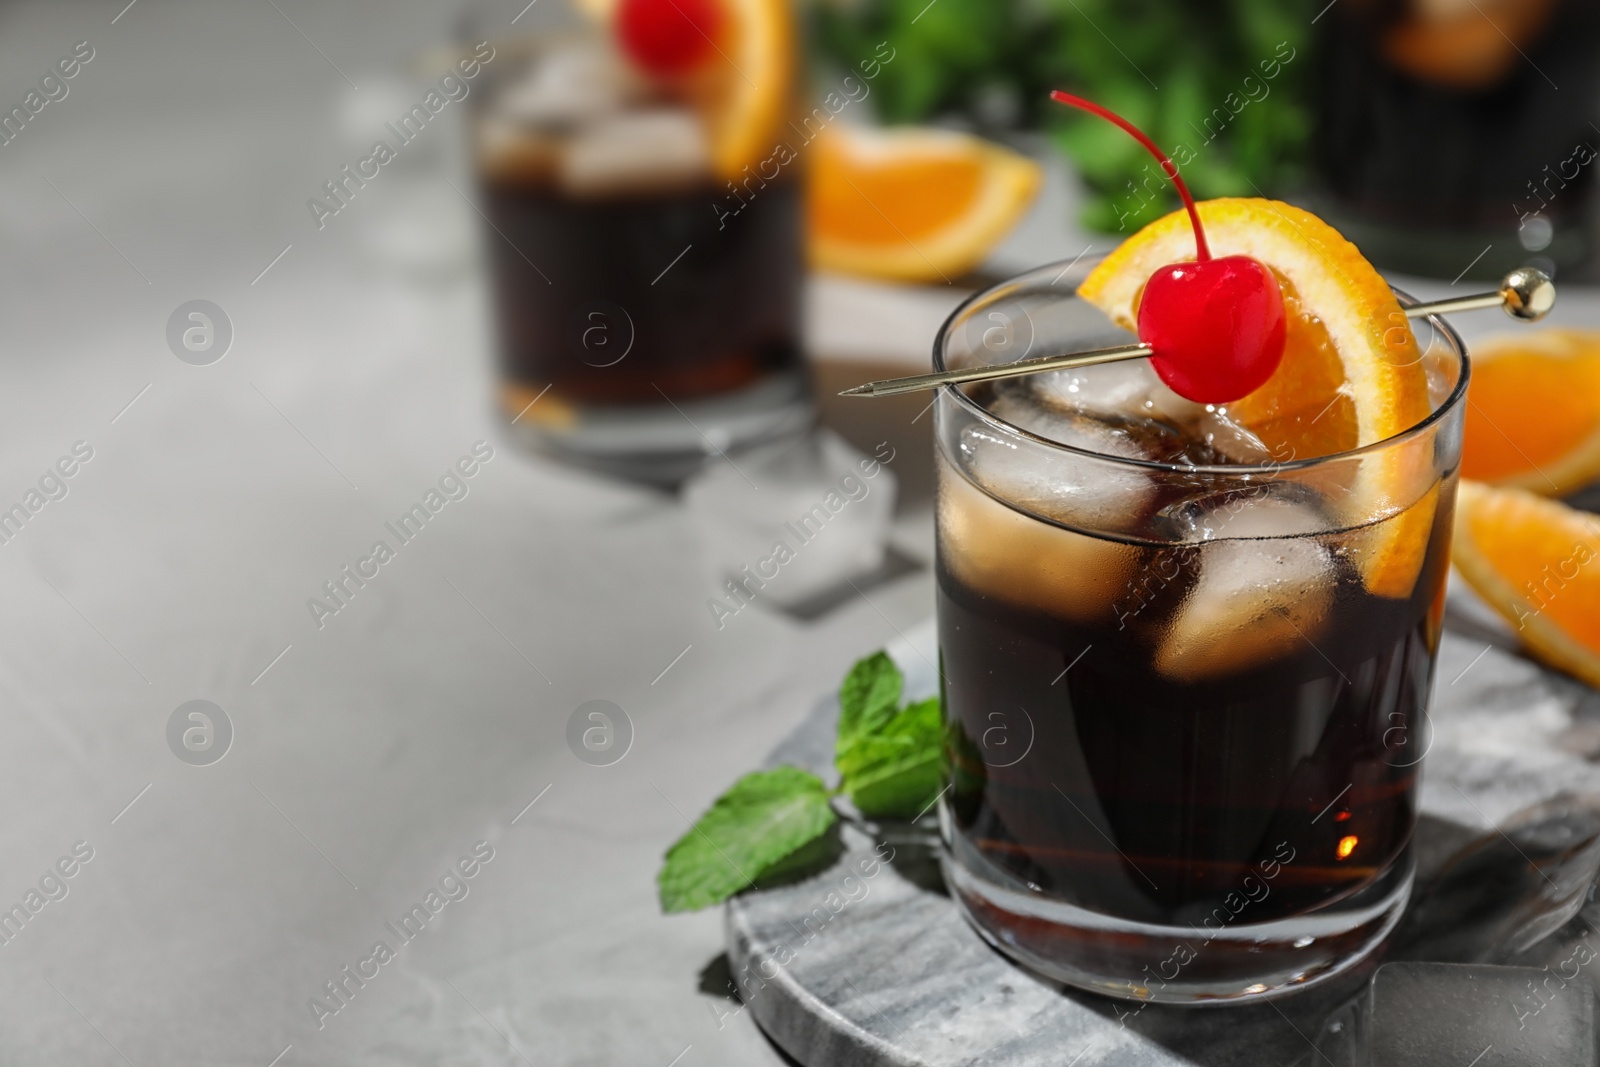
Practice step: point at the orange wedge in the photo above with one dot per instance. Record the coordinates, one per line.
(1351, 374)
(911, 203)
(747, 89)
(1533, 411)
(1537, 563)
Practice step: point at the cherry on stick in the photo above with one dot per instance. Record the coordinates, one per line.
(1215, 326)
(668, 38)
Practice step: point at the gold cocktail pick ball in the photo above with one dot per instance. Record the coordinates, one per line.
(1527, 294)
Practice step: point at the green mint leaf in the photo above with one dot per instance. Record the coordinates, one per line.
(898, 771)
(868, 698)
(814, 856)
(758, 822)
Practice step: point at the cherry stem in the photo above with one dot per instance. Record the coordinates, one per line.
(1201, 249)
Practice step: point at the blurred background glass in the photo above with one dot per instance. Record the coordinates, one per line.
(640, 329)
(1454, 129)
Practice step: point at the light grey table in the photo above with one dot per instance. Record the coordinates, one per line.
(372, 753)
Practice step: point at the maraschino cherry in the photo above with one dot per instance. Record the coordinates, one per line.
(1215, 326)
(668, 38)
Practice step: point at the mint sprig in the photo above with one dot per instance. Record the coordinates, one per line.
(890, 764)
(896, 772)
(763, 818)
(868, 698)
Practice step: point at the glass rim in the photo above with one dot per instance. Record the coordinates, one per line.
(1060, 267)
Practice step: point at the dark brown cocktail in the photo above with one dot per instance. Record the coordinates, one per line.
(1185, 678)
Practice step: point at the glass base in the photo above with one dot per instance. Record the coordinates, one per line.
(1192, 965)
(660, 444)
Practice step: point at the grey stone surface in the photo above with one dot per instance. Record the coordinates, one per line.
(1433, 1015)
(897, 977)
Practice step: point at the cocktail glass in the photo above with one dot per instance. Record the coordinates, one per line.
(643, 326)
(1185, 680)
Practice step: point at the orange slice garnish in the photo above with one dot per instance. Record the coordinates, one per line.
(1351, 375)
(1533, 411)
(748, 86)
(1349, 342)
(1537, 563)
(912, 203)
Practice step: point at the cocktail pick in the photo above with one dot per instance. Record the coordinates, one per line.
(1526, 294)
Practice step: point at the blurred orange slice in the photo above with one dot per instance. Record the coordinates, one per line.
(747, 90)
(1537, 563)
(912, 203)
(1351, 374)
(1533, 411)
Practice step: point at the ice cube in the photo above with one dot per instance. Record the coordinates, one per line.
(1168, 427)
(1130, 388)
(815, 499)
(1457, 1014)
(1073, 489)
(1251, 510)
(1119, 388)
(1229, 438)
(566, 87)
(1117, 436)
(1133, 390)
(636, 151)
(1000, 552)
(1262, 588)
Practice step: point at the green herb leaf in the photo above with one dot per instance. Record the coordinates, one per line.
(897, 772)
(868, 698)
(762, 819)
